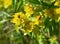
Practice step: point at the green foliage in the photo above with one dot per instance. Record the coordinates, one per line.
(47, 32)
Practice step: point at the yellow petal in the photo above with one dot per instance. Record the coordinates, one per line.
(7, 3)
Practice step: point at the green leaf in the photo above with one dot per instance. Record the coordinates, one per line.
(1, 24)
(46, 5)
(14, 3)
(19, 4)
(34, 1)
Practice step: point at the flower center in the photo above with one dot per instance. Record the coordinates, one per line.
(18, 16)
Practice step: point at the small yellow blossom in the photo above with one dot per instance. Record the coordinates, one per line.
(18, 18)
(37, 19)
(28, 15)
(28, 8)
(19, 15)
(49, 12)
(57, 3)
(57, 11)
(7, 3)
(16, 21)
(28, 28)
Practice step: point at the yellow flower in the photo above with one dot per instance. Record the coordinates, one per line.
(18, 18)
(28, 27)
(57, 3)
(28, 15)
(7, 3)
(49, 12)
(28, 8)
(57, 11)
(37, 20)
(19, 15)
(16, 21)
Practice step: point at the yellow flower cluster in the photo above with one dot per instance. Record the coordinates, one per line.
(28, 8)
(6, 3)
(52, 12)
(21, 18)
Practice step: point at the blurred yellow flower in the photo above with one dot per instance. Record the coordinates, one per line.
(37, 19)
(52, 12)
(18, 18)
(49, 12)
(53, 38)
(57, 11)
(27, 15)
(19, 15)
(28, 27)
(7, 3)
(28, 8)
(1, 0)
(57, 3)
(16, 21)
